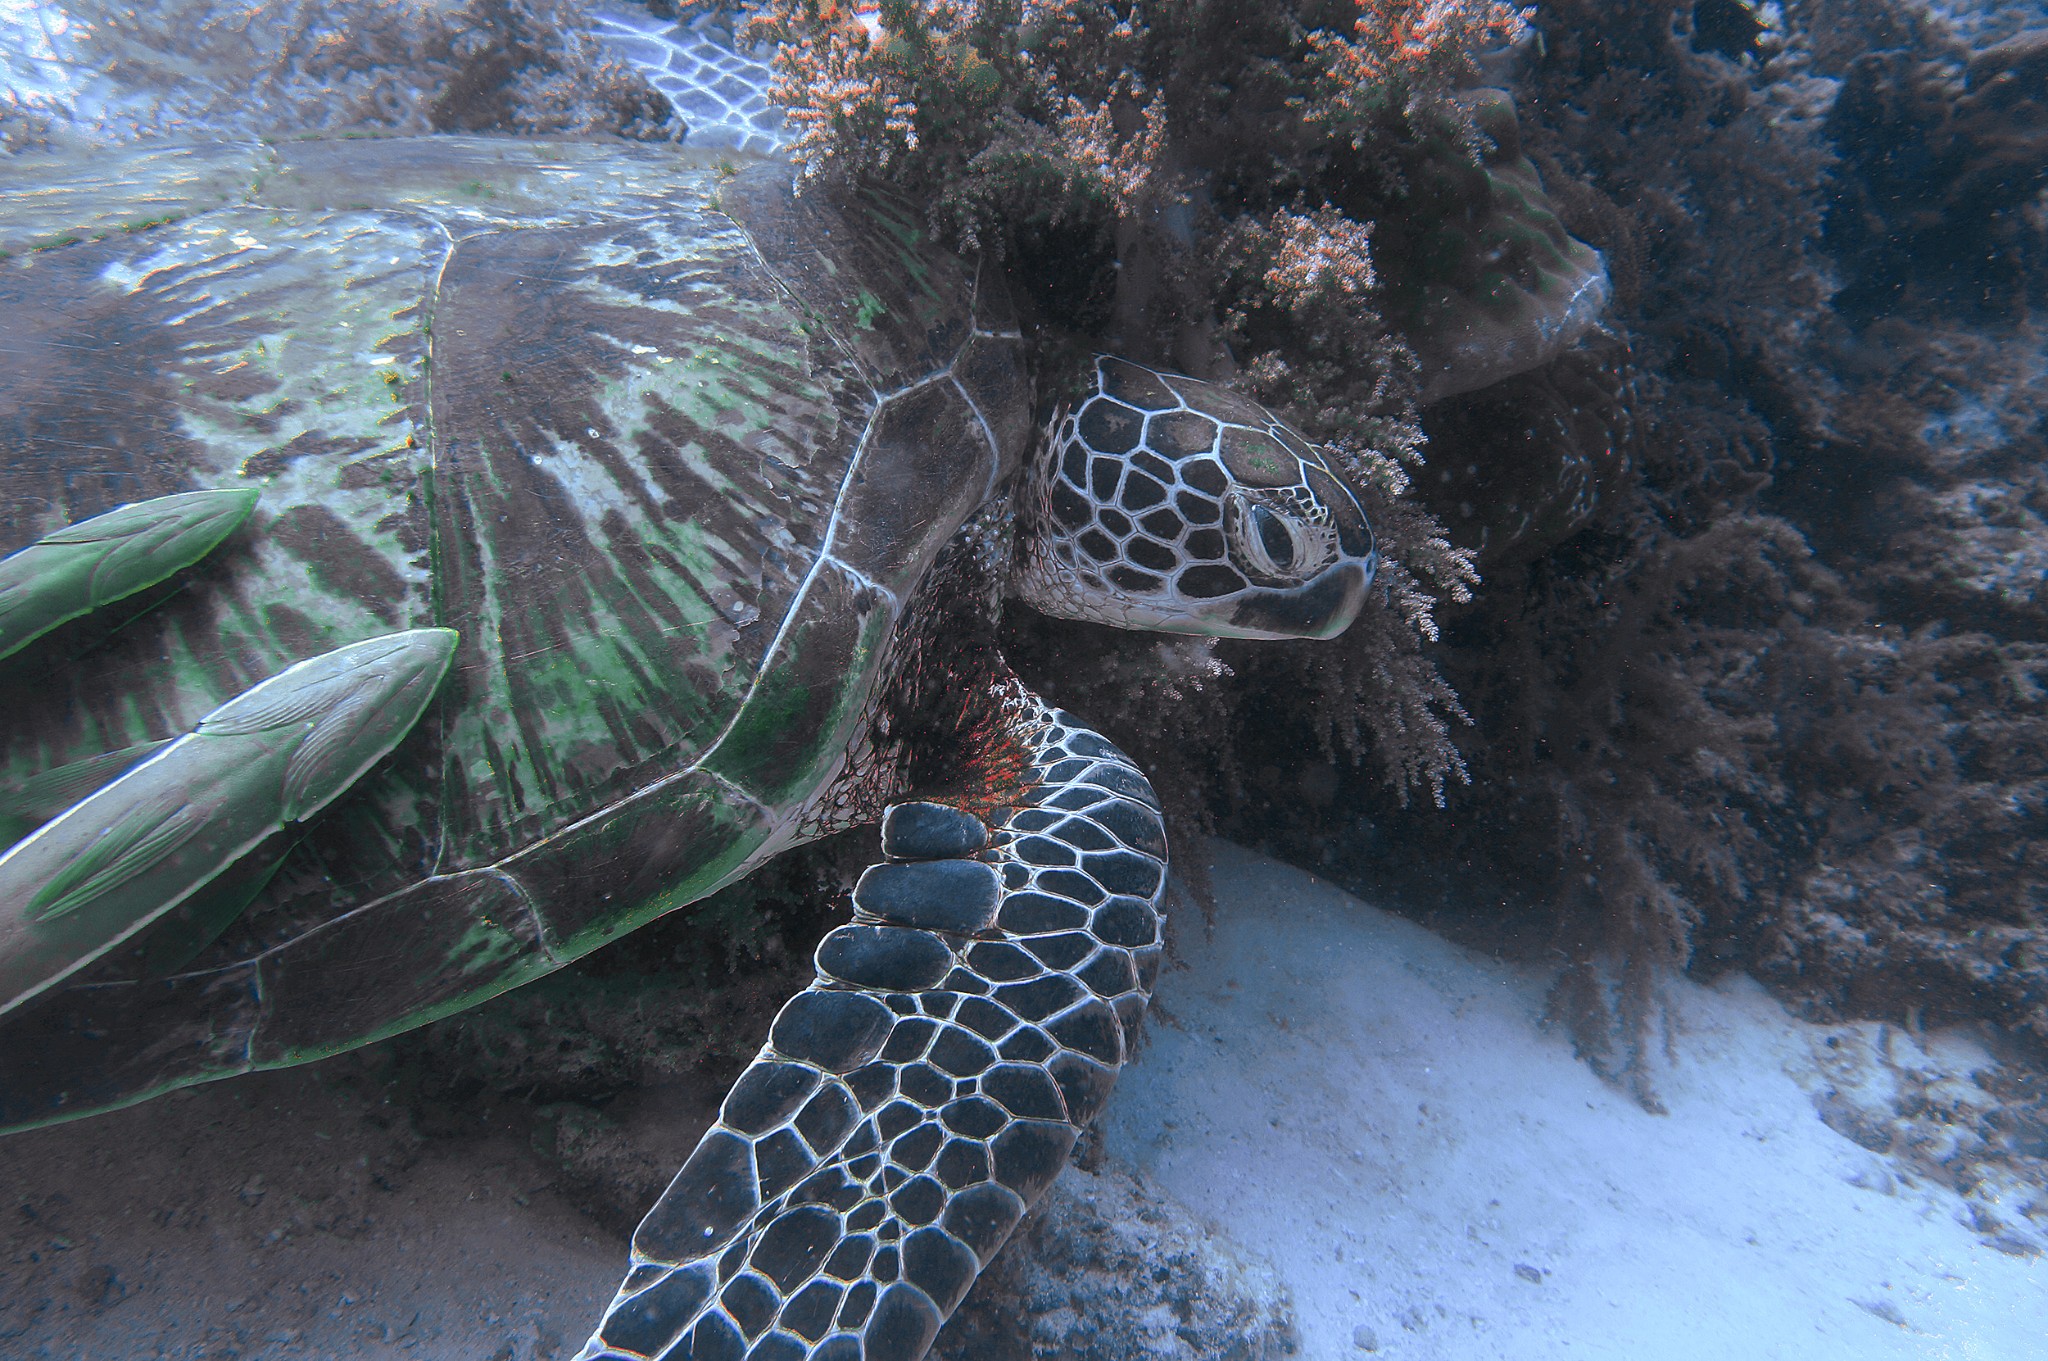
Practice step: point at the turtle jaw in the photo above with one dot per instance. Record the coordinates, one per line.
(1321, 607)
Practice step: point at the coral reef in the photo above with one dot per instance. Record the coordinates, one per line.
(1307, 198)
(1944, 170)
(1756, 665)
(1774, 702)
(1175, 124)
(1722, 716)
(305, 66)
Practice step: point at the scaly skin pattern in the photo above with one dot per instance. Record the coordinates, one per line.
(913, 1102)
(917, 1098)
(1177, 505)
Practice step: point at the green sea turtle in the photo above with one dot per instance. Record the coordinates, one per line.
(579, 525)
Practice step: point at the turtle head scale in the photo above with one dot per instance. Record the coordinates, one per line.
(1166, 503)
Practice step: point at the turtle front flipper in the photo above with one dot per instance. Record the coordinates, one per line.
(95, 562)
(913, 1102)
(122, 858)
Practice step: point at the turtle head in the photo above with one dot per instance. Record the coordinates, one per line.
(1162, 502)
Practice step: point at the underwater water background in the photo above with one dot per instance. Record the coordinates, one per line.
(1628, 936)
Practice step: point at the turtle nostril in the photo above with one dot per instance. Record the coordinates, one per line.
(1274, 537)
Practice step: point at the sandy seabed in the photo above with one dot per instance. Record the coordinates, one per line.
(1376, 1113)
(1383, 1116)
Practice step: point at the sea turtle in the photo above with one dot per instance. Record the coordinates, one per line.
(586, 523)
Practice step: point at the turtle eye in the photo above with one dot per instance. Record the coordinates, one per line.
(1273, 546)
(1274, 538)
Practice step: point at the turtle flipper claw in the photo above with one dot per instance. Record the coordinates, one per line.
(95, 562)
(124, 857)
(913, 1102)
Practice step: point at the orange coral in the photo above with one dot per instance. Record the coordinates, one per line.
(1317, 254)
(865, 83)
(850, 76)
(1397, 47)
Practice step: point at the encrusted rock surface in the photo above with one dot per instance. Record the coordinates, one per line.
(1110, 1268)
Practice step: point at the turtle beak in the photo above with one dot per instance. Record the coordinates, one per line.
(1321, 607)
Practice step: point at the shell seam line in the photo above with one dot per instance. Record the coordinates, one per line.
(540, 927)
(497, 869)
(696, 767)
(824, 556)
(861, 578)
(246, 1056)
(794, 302)
(988, 433)
(254, 962)
(882, 399)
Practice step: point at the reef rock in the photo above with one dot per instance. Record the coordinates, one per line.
(1942, 152)
(1517, 468)
(1111, 1268)
(1478, 271)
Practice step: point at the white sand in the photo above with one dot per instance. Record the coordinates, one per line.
(1382, 1115)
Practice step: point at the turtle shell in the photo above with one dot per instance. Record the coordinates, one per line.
(670, 446)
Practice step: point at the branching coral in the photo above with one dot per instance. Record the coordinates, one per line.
(1182, 122)
(1614, 777)
(1113, 80)
(1396, 49)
